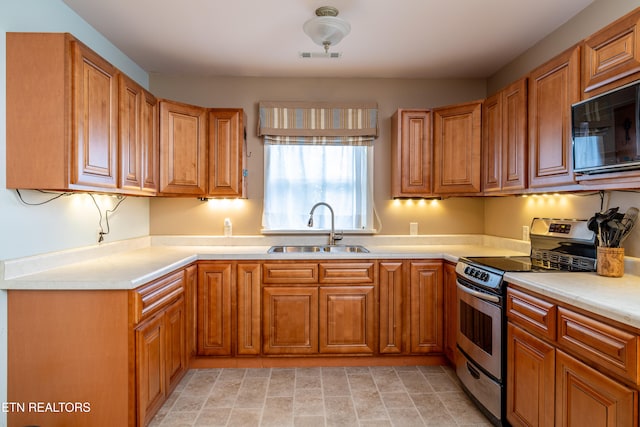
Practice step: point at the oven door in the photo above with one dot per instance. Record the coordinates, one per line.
(480, 328)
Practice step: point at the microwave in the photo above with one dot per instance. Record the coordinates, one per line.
(605, 131)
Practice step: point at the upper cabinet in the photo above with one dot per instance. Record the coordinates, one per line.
(504, 140)
(457, 138)
(553, 88)
(201, 150)
(611, 57)
(411, 153)
(183, 149)
(75, 122)
(226, 153)
(138, 139)
(62, 115)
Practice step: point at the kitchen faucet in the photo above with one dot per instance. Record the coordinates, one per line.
(333, 236)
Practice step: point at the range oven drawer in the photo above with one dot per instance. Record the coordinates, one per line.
(484, 389)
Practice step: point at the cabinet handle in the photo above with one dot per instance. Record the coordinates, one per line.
(481, 295)
(473, 371)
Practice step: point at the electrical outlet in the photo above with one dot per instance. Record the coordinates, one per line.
(413, 228)
(525, 233)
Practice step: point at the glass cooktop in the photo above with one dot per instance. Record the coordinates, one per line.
(513, 264)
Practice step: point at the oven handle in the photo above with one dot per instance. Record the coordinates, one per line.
(481, 295)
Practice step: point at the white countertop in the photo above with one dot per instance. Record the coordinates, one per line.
(615, 298)
(130, 269)
(129, 264)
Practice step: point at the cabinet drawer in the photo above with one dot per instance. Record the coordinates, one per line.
(298, 273)
(612, 348)
(535, 314)
(345, 273)
(150, 298)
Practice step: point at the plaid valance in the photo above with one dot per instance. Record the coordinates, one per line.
(318, 123)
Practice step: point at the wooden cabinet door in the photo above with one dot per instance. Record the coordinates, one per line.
(426, 307)
(553, 88)
(191, 286)
(226, 153)
(514, 136)
(492, 144)
(215, 302)
(151, 382)
(130, 99)
(290, 320)
(391, 286)
(347, 319)
(450, 292)
(411, 153)
(249, 313)
(183, 149)
(457, 140)
(176, 339)
(504, 139)
(138, 139)
(611, 57)
(585, 397)
(530, 379)
(149, 144)
(95, 98)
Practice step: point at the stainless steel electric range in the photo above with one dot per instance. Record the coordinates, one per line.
(556, 245)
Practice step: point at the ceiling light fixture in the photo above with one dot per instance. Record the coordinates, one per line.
(326, 29)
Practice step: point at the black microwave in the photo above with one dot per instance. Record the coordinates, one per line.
(605, 131)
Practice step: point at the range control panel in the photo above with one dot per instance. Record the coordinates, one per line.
(574, 230)
(479, 276)
(559, 228)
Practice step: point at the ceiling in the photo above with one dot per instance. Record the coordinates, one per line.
(388, 39)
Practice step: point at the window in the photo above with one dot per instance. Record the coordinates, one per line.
(298, 176)
(318, 152)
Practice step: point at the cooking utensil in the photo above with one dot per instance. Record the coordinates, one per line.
(628, 222)
(603, 218)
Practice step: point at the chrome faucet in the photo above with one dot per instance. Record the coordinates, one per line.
(333, 236)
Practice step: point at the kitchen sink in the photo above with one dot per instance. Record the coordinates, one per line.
(318, 248)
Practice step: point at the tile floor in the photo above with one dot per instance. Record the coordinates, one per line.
(309, 397)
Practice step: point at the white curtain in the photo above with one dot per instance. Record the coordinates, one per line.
(298, 176)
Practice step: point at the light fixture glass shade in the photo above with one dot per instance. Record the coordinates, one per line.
(326, 30)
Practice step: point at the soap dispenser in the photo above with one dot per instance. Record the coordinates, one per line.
(227, 227)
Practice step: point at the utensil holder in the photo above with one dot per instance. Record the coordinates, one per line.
(610, 262)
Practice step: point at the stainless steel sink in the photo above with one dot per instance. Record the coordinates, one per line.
(318, 248)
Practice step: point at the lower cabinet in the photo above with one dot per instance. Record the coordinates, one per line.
(306, 307)
(324, 308)
(426, 307)
(160, 316)
(586, 397)
(290, 320)
(391, 290)
(249, 309)
(548, 384)
(450, 315)
(346, 319)
(161, 358)
(530, 379)
(215, 297)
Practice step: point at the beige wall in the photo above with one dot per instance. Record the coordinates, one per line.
(596, 16)
(505, 216)
(190, 216)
